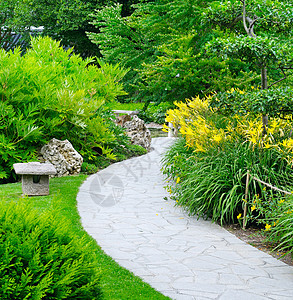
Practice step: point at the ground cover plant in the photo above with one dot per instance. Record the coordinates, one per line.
(114, 282)
(210, 162)
(42, 259)
(115, 105)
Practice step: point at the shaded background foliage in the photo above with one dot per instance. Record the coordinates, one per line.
(66, 21)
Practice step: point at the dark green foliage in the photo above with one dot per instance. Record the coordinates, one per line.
(49, 93)
(66, 21)
(163, 45)
(7, 10)
(41, 259)
(122, 40)
(212, 183)
(275, 102)
(62, 20)
(155, 112)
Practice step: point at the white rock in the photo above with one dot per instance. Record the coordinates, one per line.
(138, 132)
(61, 154)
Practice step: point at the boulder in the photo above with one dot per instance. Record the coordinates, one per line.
(138, 132)
(62, 155)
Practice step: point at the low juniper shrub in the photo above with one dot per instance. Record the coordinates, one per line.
(39, 259)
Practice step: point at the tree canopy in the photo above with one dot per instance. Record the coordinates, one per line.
(263, 40)
(164, 45)
(62, 20)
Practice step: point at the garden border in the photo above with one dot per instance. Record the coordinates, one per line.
(246, 193)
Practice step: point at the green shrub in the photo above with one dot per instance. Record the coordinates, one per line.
(121, 145)
(281, 225)
(89, 168)
(41, 259)
(52, 93)
(221, 150)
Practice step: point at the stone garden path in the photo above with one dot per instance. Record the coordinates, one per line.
(124, 207)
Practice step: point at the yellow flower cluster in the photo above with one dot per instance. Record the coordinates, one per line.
(253, 131)
(191, 120)
(197, 122)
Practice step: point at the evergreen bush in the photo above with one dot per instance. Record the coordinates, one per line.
(40, 259)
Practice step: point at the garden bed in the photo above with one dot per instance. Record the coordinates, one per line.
(255, 238)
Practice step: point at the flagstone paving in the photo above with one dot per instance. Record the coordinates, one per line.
(127, 210)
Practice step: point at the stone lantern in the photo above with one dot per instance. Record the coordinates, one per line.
(35, 177)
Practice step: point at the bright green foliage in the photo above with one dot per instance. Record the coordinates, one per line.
(124, 106)
(41, 259)
(49, 93)
(115, 282)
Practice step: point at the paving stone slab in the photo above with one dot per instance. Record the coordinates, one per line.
(124, 208)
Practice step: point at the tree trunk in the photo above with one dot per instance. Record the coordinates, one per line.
(264, 86)
(264, 79)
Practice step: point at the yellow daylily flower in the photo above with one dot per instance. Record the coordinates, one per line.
(268, 227)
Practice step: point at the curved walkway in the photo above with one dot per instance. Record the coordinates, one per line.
(126, 209)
